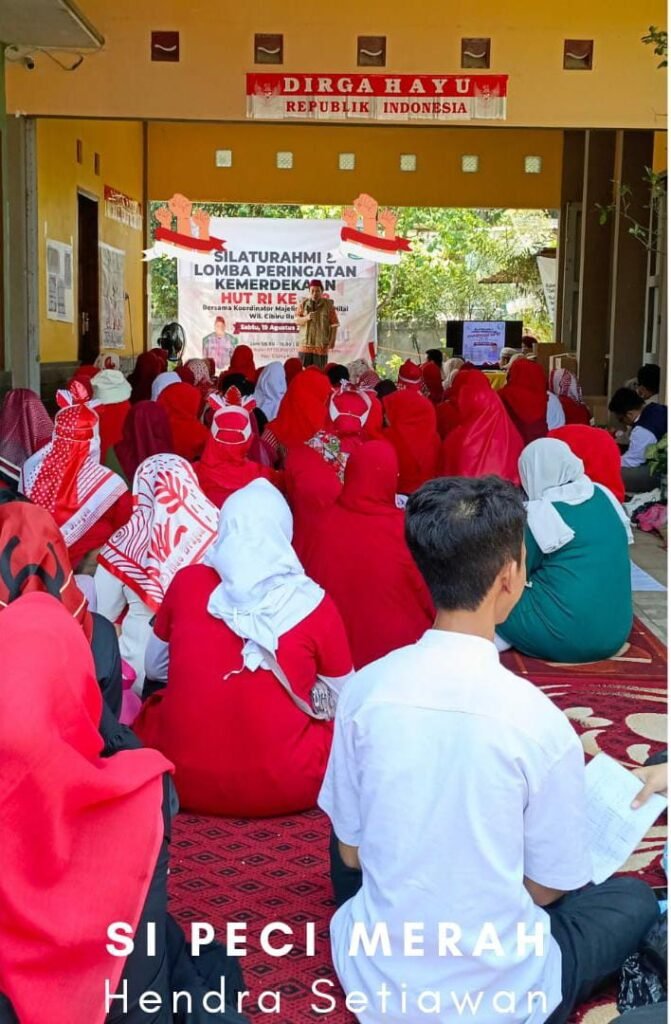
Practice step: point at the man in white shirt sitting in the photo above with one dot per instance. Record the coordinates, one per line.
(648, 422)
(456, 794)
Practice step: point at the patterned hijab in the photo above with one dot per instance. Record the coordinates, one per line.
(172, 526)
(25, 426)
(66, 477)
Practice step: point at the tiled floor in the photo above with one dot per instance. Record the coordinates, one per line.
(652, 607)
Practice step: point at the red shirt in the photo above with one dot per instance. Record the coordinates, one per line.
(240, 745)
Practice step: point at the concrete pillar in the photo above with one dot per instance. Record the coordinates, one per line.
(629, 263)
(568, 252)
(595, 262)
(21, 318)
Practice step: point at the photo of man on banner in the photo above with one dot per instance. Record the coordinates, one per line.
(219, 344)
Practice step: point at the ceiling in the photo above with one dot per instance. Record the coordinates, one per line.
(47, 24)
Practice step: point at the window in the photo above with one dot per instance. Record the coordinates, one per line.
(371, 51)
(475, 53)
(268, 49)
(578, 54)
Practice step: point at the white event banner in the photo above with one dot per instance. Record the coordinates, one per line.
(247, 294)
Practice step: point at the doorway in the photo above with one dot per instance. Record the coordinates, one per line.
(87, 250)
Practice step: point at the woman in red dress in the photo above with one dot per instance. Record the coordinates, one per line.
(183, 404)
(113, 392)
(393, 607)
(525, 397)
(566, 387)
(242, 739)
(599, 452)
(225, 465)
(485, 440)
(413, 432)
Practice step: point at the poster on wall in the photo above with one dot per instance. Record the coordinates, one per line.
(378, 97)
(60, 303)
(547, 268)
(112, 296)
(248, 293)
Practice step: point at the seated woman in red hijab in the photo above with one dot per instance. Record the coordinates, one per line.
(292, 368)
(148, 366)
(242, 361)
(88, 501)
(85, 843)
(390, 605)
(432, 376)
(242, 642)
(225, 465)
(314, 471)
(345, 429)
(112, 391)
(525, 397)
(301, 414)
(485, 440)
(566, 387)
(599, 453)
(412, 431)
(184, 404)
(447, 413)
(146, 432)
(34, 559)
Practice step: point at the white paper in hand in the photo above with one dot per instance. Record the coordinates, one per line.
(614, 829)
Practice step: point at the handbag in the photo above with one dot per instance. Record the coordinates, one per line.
(323, 701)
(643, 975)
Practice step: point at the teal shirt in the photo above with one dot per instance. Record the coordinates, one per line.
(579, 605)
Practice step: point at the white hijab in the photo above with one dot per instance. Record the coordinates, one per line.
(551, 473)
(110, 387)
(555, 414)
(264, 591)
(163, 381)
(271, 388)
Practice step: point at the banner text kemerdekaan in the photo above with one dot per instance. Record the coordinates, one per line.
(257, 271)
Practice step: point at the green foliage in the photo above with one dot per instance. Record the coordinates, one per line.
(658, 38)
(452, 251)
(656, 456)
(643, 232)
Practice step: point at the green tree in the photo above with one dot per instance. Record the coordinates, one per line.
(658, 38)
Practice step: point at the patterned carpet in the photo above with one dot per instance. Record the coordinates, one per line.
(277, 869)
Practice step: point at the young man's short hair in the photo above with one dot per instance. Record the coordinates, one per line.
(461, 532)
(625, 400)
(649, 377)
(435, 356)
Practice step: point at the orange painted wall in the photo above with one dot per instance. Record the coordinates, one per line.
(624, 89)
(59, 176)
(182, 159)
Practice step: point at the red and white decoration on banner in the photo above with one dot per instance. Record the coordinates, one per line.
(191, 241)
(380, 97)
(360, 238)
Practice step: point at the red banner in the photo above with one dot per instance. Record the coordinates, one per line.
(377, 97)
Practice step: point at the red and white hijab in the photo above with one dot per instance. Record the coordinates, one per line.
(65, 477)
(565, 384)
(172, 526)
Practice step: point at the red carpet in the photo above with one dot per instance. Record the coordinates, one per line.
(642, 659)
(277, 869)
